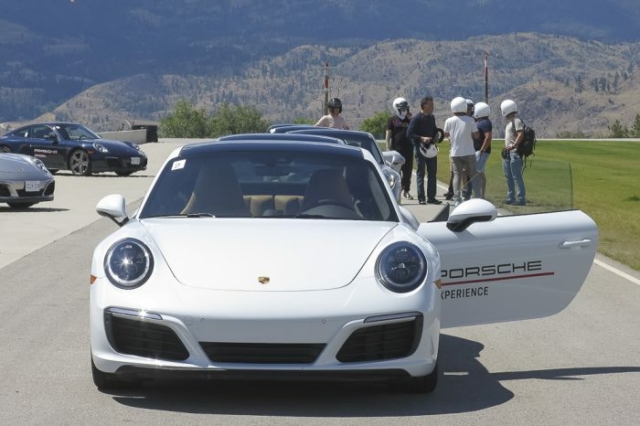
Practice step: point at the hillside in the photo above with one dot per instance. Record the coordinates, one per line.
(51, 51)
(561, 84)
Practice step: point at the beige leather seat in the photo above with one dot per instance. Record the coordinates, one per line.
(326, 184)
(217, 192)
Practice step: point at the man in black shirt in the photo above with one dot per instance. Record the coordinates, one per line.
(397, 139)
(422, 131)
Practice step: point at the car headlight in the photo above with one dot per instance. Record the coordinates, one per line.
(391, 178)
(38, 163)
(401, 267)
(100, 148)
(128, 264)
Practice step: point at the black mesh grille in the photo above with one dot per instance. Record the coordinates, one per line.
(50, 188)
(133, 337)
(23, 193)
(262, 353)
(382, 342)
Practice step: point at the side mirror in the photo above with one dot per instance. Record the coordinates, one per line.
(113, 207)
(470, 212)
(394, 159)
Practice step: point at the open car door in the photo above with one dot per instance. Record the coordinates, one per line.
(509, 268)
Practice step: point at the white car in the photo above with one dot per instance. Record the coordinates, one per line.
(268, 259)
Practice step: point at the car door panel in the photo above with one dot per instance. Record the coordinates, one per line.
(512, 268)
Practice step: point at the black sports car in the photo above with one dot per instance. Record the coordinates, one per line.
(72, 146)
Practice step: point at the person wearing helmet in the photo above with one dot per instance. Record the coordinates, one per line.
(461, 131)
(396, 137)
(467, 185)
(333, 119)
(482, 144)
(511, 160)
(422, 132)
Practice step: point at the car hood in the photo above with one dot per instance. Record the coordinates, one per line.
(12, 166)
(265, 254)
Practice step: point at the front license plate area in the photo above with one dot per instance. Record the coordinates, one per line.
(135, 161)
(32, 186)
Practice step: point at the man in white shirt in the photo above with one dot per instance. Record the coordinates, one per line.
(461, 129)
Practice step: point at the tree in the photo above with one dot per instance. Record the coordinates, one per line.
(376, 124)
(618, 130)
(230, 120)
(185, 121)
(635, 129)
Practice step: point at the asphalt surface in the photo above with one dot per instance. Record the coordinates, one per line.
(580, 367)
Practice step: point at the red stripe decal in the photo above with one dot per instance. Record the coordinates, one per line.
(511, 277)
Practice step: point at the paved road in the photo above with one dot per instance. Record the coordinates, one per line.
(581, 367)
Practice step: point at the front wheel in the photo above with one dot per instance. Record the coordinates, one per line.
(5, 149)
(80, 163)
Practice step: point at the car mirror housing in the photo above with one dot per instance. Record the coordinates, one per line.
(394, 159)
(470, 212)
(113, 207)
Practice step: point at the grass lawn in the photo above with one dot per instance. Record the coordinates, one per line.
(597, 177)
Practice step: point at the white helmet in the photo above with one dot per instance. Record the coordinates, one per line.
(481, 110)
(507, 107)
(400, 103)
(459, 104)
(430, 151)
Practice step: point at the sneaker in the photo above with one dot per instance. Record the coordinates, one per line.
(434, 201)
(406, 195)
(509, 202)
(447, 196)
(422, 201)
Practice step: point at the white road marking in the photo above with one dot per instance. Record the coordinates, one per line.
(617, 272)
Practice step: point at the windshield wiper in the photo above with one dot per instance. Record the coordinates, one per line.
(198, 215)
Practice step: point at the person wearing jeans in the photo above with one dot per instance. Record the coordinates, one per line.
(511, 160)
(512, 168)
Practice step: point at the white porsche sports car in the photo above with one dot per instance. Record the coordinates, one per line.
(279, 260)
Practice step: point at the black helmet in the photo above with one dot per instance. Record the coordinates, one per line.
(335, 103)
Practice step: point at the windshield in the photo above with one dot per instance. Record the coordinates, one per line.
(270, 184)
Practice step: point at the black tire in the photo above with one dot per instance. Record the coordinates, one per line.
(5, 148)
(424, 384)
(20, 205)
(53, 171)
(106, 381)
(124, 174)
(79, 163)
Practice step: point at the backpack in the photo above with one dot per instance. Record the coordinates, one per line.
(528, 144)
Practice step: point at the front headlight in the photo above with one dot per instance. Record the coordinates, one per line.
(401, 267)
(128, 264)
(38, 163)
(100, 148)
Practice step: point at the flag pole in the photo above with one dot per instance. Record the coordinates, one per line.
(486, 77)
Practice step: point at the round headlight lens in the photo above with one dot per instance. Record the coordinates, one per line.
(391, 178)
(100, 148)
(128, 264)
(401, 267)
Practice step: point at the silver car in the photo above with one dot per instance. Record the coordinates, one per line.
(24, 181)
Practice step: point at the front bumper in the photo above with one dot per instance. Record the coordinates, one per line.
(337, 334)
(123, 164)
(15, 192)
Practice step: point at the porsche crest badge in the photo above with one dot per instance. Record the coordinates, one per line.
(264, 280)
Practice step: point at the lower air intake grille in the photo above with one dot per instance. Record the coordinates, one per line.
(262, 353)
(133, 337)
(382, 342)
